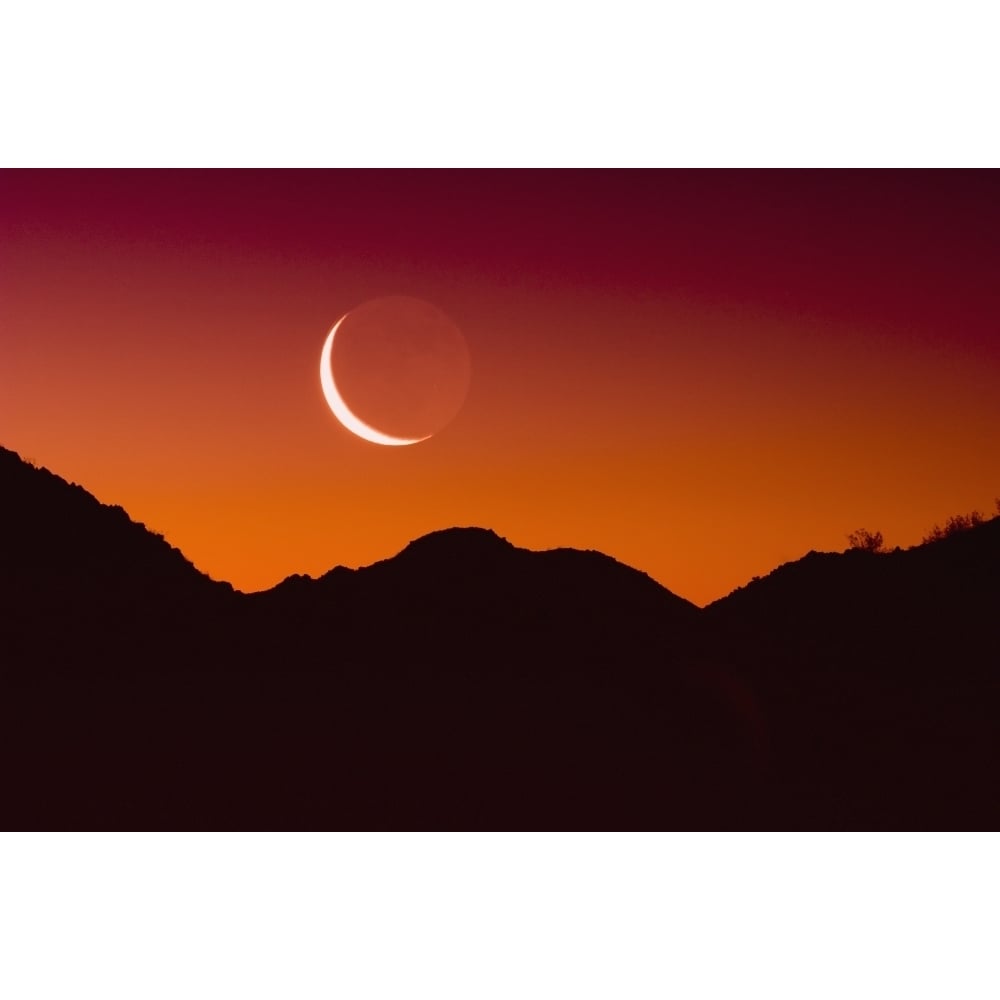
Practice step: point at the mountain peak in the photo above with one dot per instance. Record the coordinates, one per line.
(464, 541)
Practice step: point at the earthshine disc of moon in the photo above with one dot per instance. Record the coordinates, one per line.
(395, 370)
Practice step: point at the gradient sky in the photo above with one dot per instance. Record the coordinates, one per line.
(703, 374)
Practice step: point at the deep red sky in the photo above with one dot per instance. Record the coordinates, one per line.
(703, 374)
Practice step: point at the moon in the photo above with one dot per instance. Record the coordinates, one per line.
(394, 370)
(340, 409)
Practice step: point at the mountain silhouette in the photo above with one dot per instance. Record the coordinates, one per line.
(880, 672)
(468, 683)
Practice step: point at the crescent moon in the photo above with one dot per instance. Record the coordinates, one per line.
(341, 410)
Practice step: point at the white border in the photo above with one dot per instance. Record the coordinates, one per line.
(531, 916)
(773, 83)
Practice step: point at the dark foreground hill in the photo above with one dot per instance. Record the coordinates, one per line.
(881, 677)
(467, 683)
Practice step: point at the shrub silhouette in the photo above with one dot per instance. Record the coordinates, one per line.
(955, 525)
(863, 540)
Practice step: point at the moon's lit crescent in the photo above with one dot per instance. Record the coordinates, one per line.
(340, 409)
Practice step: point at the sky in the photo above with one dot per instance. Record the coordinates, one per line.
(701, 373)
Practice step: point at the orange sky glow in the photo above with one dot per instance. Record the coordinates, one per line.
(702, 374)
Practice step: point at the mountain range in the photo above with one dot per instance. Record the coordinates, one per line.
(466, 683)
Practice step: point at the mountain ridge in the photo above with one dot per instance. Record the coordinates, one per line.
(466, 682)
